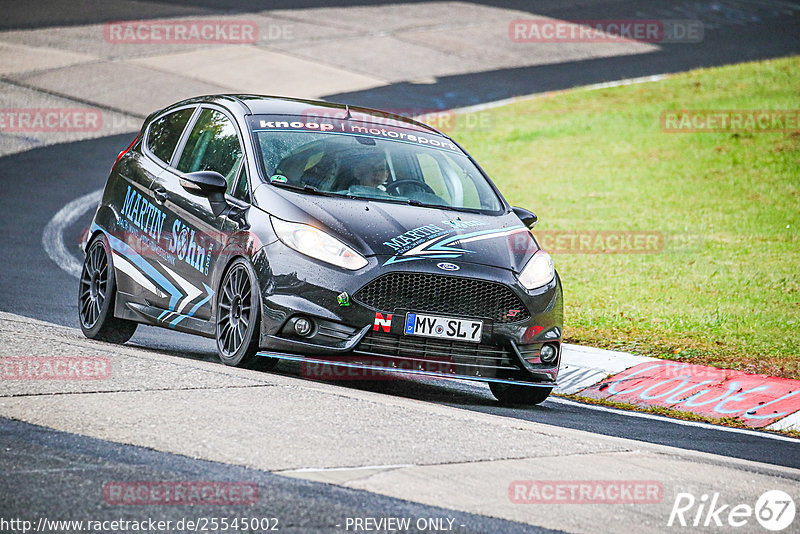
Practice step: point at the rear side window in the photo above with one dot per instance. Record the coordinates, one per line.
(213, 146)
(165, 132)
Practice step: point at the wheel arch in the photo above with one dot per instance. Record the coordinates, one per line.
(100, 232)
(91, 236)
(232, 256)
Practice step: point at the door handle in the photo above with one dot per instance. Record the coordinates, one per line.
(161, 195)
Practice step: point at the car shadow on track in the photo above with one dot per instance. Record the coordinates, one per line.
(461, 393)
(452, 392)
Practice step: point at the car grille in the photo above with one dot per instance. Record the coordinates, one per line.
(449, 295)
(439, 355)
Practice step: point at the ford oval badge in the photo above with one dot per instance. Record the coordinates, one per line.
(448, 266)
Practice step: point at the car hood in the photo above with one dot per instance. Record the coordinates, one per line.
(400, 233)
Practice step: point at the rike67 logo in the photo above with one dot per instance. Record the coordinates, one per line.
(774, 510)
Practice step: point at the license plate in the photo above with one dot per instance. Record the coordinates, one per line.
(443, 327)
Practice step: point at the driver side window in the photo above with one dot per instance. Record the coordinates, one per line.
(213, 146)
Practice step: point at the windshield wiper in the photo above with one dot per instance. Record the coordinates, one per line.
(414, 202)
(304, 188)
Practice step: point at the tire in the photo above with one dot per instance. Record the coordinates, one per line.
(239, 317)
(509, 394)
(97, 292)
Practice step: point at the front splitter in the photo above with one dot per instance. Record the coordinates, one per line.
(383, 371)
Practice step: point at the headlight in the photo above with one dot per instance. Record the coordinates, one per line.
(310, 241)
(538, 272)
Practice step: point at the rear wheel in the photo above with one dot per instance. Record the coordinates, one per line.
(238, 318)
(96, 295)
(510, 394)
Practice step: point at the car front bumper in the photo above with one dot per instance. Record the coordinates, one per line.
(371, 336)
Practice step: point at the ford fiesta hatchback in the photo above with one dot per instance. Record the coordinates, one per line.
(303, 230)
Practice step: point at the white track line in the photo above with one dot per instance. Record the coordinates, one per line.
(53, 235)
(593, 87)
(358, 468)
(666, 419)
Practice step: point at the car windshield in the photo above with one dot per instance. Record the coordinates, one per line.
(357, 160)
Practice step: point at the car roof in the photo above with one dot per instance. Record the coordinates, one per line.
(277, 105)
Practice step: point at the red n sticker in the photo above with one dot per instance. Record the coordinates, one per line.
(382, 322)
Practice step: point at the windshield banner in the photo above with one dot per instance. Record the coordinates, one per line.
(283, 123)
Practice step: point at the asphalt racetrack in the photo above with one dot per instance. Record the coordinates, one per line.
(44, 465)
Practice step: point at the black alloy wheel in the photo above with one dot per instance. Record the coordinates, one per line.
(96, 294)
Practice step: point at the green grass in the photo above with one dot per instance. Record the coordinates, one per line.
(598, 160)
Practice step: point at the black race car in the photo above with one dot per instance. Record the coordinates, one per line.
(293, 229)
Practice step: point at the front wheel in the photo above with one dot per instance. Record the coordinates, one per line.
(96, 295)
(238, 318)
(510, 394)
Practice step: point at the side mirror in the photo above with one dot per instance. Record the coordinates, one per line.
(528, 218)
(209, 184)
